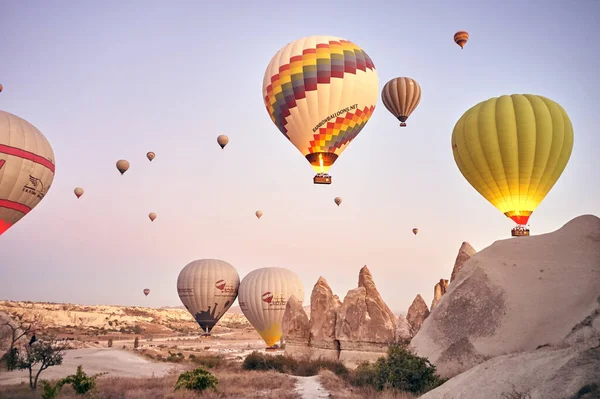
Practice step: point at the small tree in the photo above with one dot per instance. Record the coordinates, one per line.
(110, 342)
(136, 343)
(18, 329)
(43, 353)
(197, 380)
(80, 381)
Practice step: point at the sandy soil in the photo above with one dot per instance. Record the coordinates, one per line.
(116, 362)
(311, 388)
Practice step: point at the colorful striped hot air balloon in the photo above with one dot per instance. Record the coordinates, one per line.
(512, 150)
(26, 168)
(401, 96)
(320, 91)
(461, 37)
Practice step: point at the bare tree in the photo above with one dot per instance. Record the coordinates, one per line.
(18, 329)
(43, 353)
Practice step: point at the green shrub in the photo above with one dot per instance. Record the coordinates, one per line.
(137, 329)
(400, 370)
(283, 364)
(49, 390)
(80, 381)
(197, 380)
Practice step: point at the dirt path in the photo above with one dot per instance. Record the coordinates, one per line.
(311, 388)
(114, 361)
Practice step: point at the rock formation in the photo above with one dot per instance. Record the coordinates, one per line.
(439, 290)
(324, 306)
(365, 324)
(403, 330)
(464, 254)
(520, 295)
(417, 313)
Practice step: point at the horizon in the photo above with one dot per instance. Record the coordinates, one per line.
(107, 83)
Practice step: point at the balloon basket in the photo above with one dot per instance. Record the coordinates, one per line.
(402, 124)
(272, 349)
(322, 178)
(520, 231)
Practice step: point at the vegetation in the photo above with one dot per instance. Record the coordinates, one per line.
(285, 364)
(136, 342)
(43, 353)
(196, 380)
(80, 381)
(18, 329)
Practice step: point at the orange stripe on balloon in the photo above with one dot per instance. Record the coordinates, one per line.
(17, 152)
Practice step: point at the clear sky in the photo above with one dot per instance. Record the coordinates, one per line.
(108, 80)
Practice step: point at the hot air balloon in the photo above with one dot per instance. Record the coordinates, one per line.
(150, 156)
(512, 150)
(78, 192)
(337, 200)
(207, 288)
(152, 216)
(263, 296)
(26, 168)
(122, 166)
(222, 140)
(1, 88)
(320, 91)
(146, 291)
(258, 214)
(401, 96)
(415, 231)
(461, 37)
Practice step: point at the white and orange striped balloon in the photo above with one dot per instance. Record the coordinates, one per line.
(26, 168)
(401, 96)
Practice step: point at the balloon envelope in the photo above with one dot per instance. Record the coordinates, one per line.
(1, 88)
(263, 296)
(512, 150)
(146, 291)
(258, 214)
(401, 96)
(415, 231)
(320, 91)
(26, 168)
(337, 200)
(461, 38)
(207, 288)
(152, 216)
(222, 140)
(122, 165)
(78, 192)
(150, 156)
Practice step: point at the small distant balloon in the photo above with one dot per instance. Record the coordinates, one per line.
(338, 200)
(78, 192)
(401, 96)
(259, 214)
(150, 156)
(1, 88)
(152, 216)
(415, 231)
(122, 165)
(461, 37)
(222, 140)
(146, 291)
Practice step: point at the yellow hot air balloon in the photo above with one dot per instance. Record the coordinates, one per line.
(122, 166)
(207, 288)
(26, 168)
(263, 296)
(461, 37)
(337, 200)
(152, 216)
(320, 91)
(512, 150)
(401, 96)
(222, 140)
(258, 214)
(78, 192)
(150, 156)
(415, 231)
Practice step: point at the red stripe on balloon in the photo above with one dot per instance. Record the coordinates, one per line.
(14, 206)
(30, 156)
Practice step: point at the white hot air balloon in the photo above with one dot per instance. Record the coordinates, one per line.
(263, 296)
(207, 288)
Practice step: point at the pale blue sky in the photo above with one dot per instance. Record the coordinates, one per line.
(110, 80)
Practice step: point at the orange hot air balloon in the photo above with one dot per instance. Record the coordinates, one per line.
(222, 140)
(259, 214)
(337, 200)
(461, 37)
(26, 168)
(415, 231)
(152, 216)
(146, 291)
(122, 165)
(401, 96)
